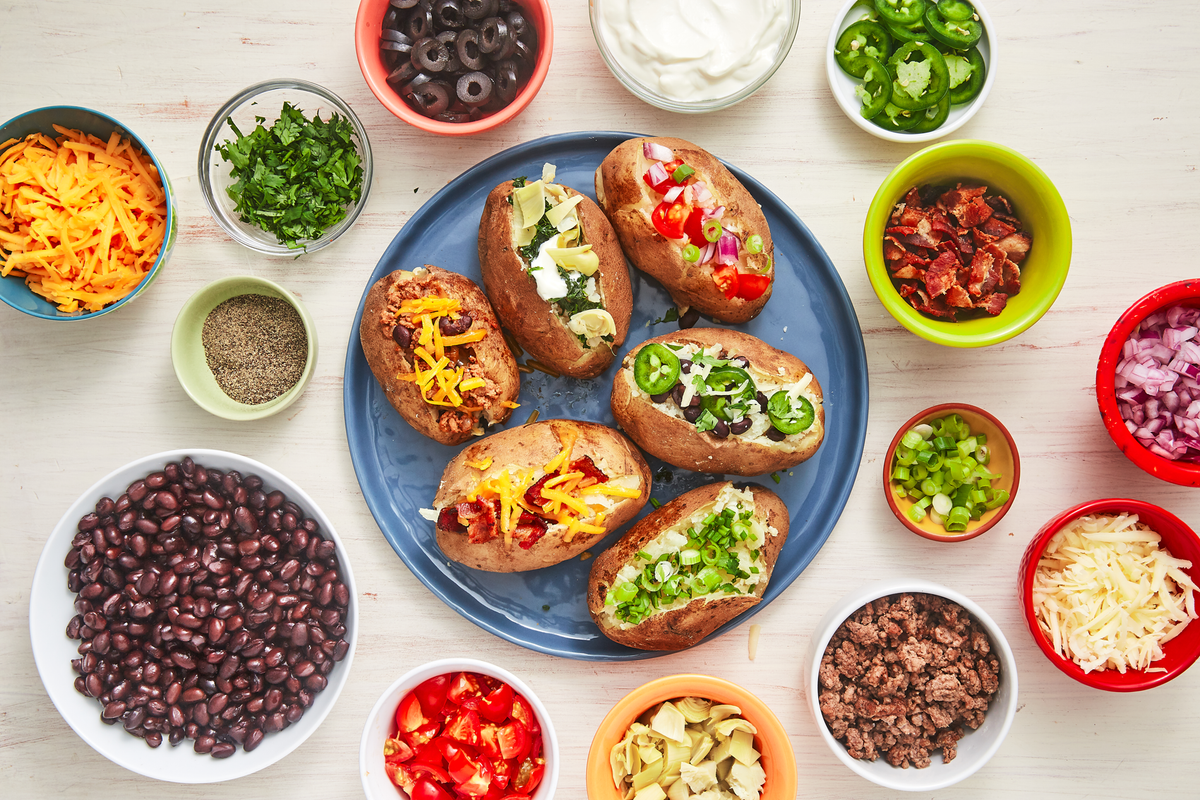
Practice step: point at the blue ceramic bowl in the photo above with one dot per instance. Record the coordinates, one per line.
(13, 290)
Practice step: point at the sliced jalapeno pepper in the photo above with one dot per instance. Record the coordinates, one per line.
(726, 379)
(969, 88)
(921, 78)
(913, 33)
(863, 38)
(788, 418)
(959, 34)
(876, 89)
(957, 10)
(656, 369)
(901, 12)
(933, 117)
(895, 119)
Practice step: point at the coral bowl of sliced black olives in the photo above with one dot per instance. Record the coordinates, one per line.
(454, 67)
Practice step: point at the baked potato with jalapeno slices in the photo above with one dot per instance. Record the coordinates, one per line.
(555, 273)
(533, 496)
(719, 401)
(686, 221)
(433, 343)
(688, 568)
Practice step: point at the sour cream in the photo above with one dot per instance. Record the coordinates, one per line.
(689, 50)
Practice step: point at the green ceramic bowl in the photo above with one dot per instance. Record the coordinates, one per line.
(187, 351)
(1035, 201)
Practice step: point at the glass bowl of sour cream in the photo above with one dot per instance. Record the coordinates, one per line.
(694, 56)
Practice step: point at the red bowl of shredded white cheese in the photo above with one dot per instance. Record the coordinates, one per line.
(1109, 592)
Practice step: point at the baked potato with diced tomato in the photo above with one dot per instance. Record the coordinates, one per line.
(719, 545)
(685, 220)
(533, 496)
(433, 343)
(555, 273)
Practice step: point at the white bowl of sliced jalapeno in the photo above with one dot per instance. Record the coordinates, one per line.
(911, 70)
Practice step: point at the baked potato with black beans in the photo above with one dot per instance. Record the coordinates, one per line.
(533, 496)
(433, 343)
(719, 401)
(688, 568)
(555, 274)
(686, 221)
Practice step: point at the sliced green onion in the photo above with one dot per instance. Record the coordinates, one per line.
(691, 253)
(682, 173)
(712, 229)
(754, 244)
(689, 556)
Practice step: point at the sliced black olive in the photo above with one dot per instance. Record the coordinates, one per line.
(403, 73)
(448, 38)
(474, 88)
(430, 55)
(468, 50)
(449, 14)
(418, 80)
(493, 34)
(523, 53)
(453, 116)
(389, 35)
(419, 24)
(720, 429)
(478, 9)
(506, 81)
(516, 22)
(507, 6)
(403, 3)
(741, 426)
(431, 98)
(506, 48)
(391, 18)
(454, 66)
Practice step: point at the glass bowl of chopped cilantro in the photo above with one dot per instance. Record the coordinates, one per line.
(285, 167)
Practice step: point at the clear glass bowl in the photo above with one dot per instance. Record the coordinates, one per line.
(265, 100)
(655, 98)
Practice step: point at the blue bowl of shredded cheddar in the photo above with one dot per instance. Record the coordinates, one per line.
(87, 214)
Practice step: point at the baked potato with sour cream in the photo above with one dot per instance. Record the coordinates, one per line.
(638, 602)
(719, 401)
(665, 195)
(433, 343)
(555, 273)
(533, 496)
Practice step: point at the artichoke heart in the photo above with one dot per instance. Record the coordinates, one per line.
(694, 709)
(590, 324)
(581, 259)
(669, 723)
(529, 204)
(726, 727)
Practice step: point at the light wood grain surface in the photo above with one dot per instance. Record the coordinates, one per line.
(1101, 94)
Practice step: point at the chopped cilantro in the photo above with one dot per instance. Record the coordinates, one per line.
(775, 477)
(706, 421)
(546, 607)
(297, 178)
(576, 299)
(671, 315)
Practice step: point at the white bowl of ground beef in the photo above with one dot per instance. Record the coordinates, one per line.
(901, 675)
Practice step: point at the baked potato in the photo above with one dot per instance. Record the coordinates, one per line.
(719, 401)
(664, 195)
(433, 343)
(713, 574)
(555, 274)
(533, 496)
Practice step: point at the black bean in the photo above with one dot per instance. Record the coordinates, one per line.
(720, 429)
(775, 435)
(741, 426)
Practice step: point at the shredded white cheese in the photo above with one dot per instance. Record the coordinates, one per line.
(1108, 597)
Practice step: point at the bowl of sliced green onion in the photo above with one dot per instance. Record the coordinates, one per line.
(952, 472)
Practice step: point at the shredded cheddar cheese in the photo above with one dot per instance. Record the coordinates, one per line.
(81, 220)
(442, 384)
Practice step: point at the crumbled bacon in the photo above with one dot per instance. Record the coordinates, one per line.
(476, 517)
(954, 253)
(530, 528)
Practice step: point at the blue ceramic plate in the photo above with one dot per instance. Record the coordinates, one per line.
(809, 315)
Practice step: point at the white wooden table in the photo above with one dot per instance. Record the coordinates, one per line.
(1101, 94)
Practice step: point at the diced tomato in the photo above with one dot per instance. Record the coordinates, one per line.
(669, 219)
(399, 775)
(396, 751)
(428, 755)
(430, 771)
(489, 743)
(726, 278)
(664, 186)
(498, 704)
(409, 716)
(514, 740)
(461, 767)
(479, 783)
(463, 727)
(694, 228)
(425, 789)
(462, 686)
(501, 773)
(529, 775)
(524, 712)
(422, 735)
(516, 797)
(449, 749)
(751, 287)
(432, 694)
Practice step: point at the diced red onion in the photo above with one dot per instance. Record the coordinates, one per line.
(657, 152)
(727, 249)
(703, 195)
(658, 173)
(673, 194)
(706, 255)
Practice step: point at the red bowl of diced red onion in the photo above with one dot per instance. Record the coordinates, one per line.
(1148, 383)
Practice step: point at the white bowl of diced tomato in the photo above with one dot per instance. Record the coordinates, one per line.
(459, 728)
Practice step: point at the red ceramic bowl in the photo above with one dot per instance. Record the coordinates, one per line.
(1182, 293)
(1177, 539)
(366, 43)
(1005, 461)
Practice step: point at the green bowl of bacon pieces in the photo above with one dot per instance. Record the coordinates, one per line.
(967, 243)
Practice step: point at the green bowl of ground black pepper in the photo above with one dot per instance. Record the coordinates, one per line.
(243, 348)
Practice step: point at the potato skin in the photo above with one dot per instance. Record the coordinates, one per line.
(686, 626)
(628, 203)
(387, 360)
(534, 446)
(521, 309)
(677, 442)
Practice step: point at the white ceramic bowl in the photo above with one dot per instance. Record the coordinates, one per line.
(51, 607)
(976, 746)
(843, 85)
(381, 724)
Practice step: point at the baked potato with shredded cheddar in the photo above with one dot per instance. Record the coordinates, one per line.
(533, 496)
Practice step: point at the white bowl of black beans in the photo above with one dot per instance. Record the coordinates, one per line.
(221, 617)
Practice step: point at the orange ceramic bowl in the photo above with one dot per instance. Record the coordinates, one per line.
(778, 759)
(1005, 461)
(367, 29)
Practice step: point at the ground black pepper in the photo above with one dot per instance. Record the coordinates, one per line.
(255, 346)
